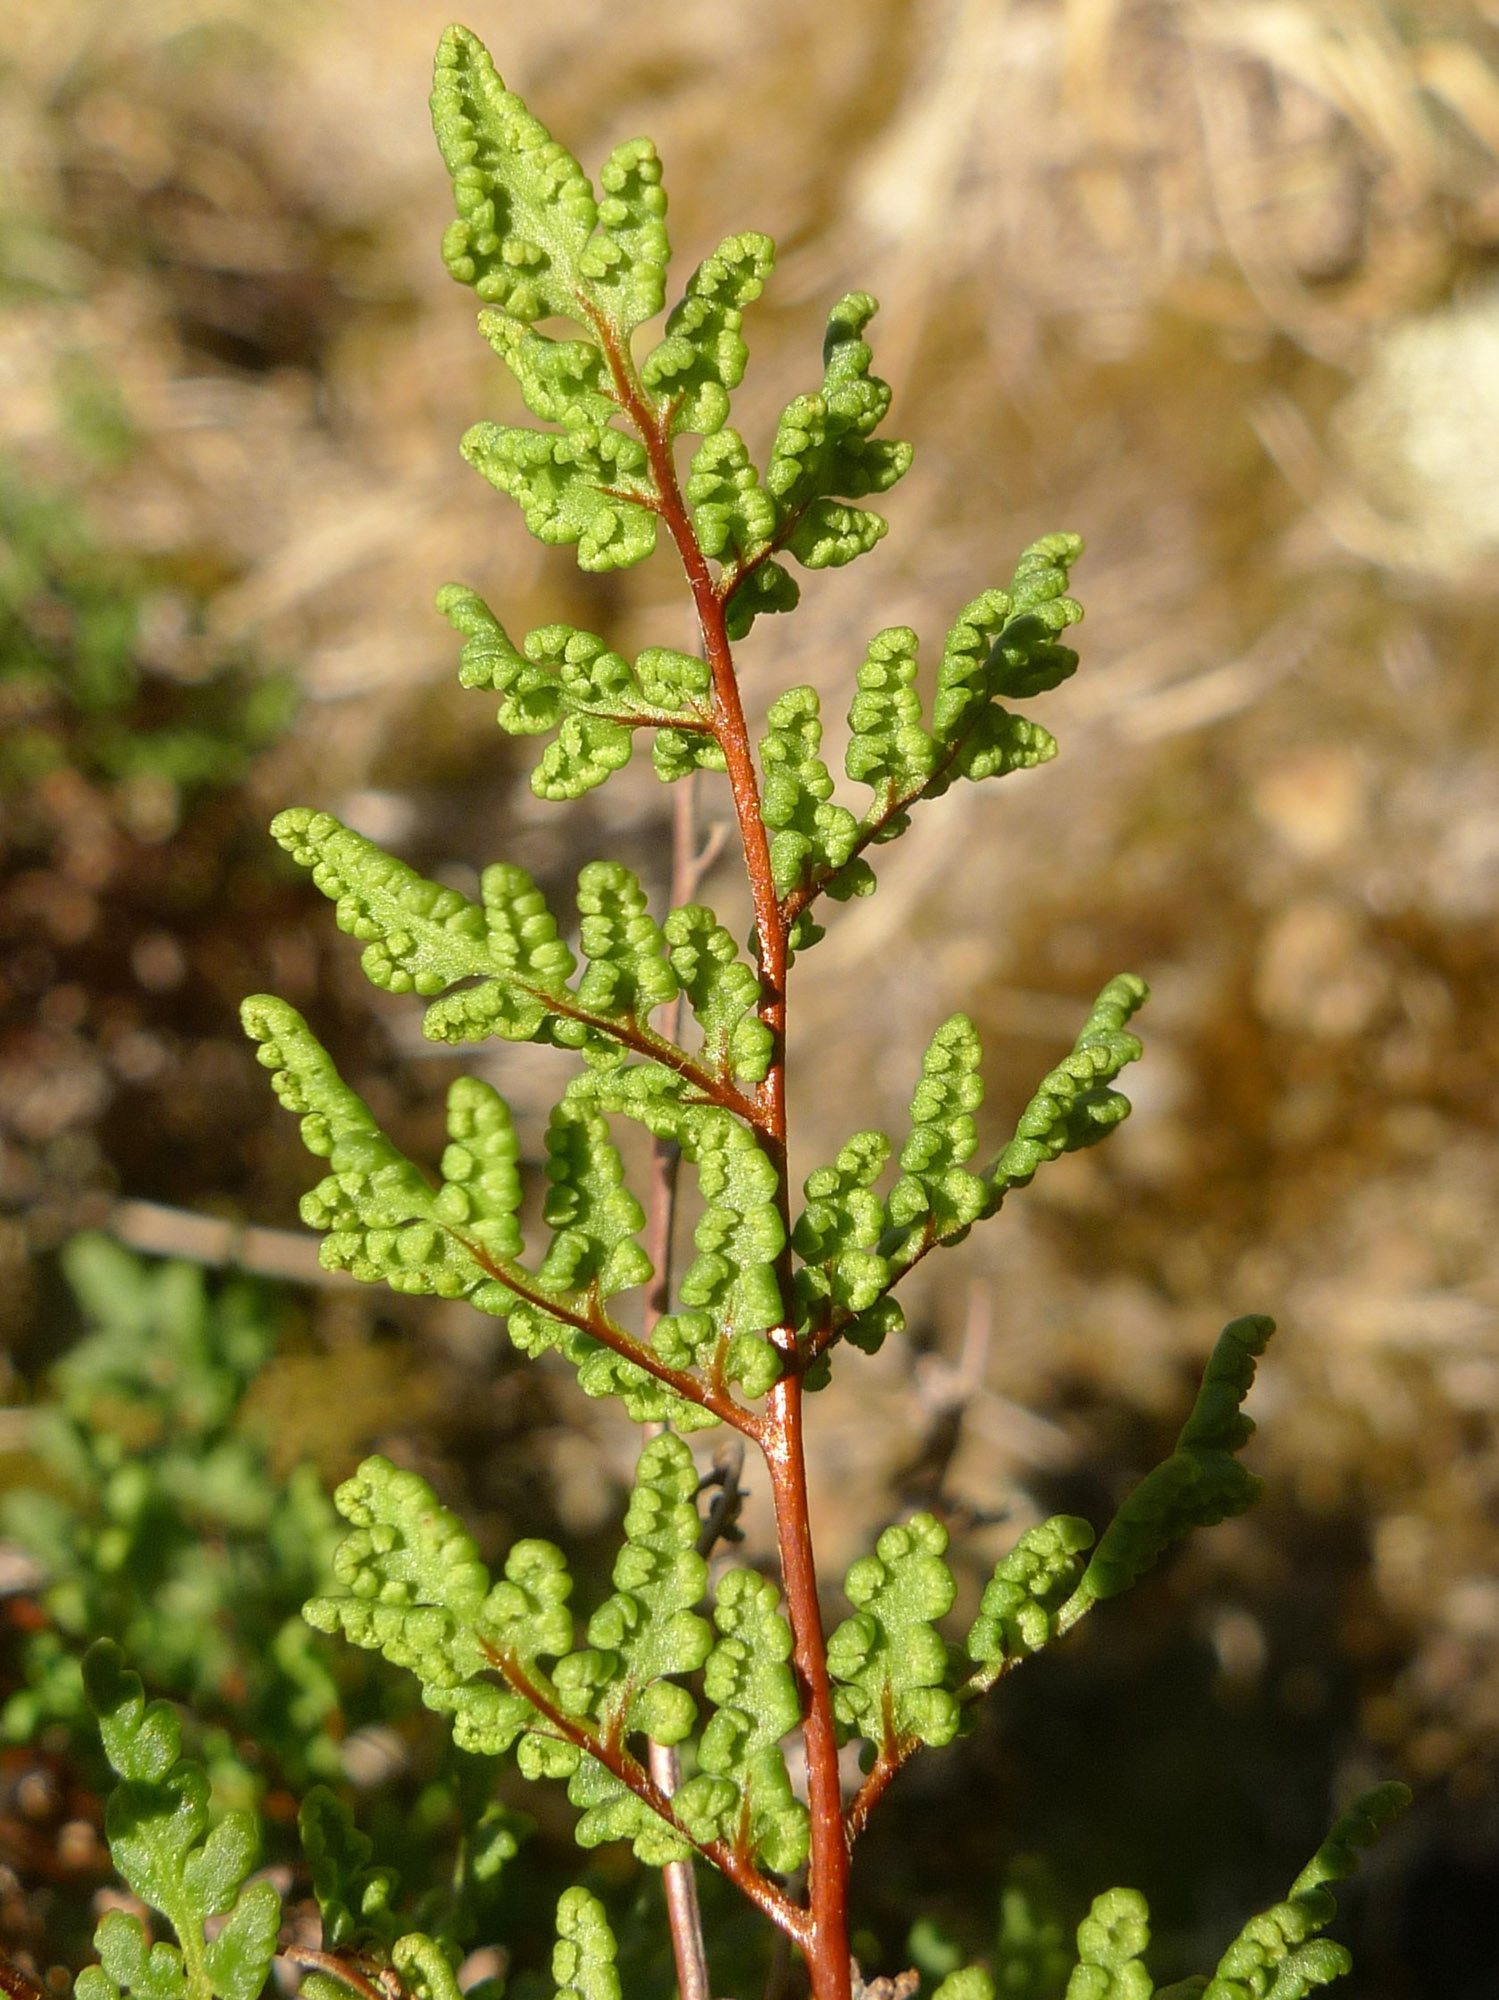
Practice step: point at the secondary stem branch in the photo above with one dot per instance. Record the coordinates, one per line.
(615, 1759)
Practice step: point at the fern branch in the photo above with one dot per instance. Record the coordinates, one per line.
(730, 1858)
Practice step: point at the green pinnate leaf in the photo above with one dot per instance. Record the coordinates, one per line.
(563, 382)
(768, 586)
(525, 207)
(381, 1219)
(1026, 660)
(825, 453)
(587, 750)
(593, 1216)
(675, 753)
(161, 1840)
(649, 1630)
(142, 1740)
(735, 518)
(425, 1968)
(354, 1899)
(415, 1591)
(628, 973)
(1110, 1943)
(1004, 642)
(626, 258)
(587, 487)
(214, 1870)
(1201, 1484)
(583, 1959)
(1278, 1954)
(610, 1811)
(936, 1198)
(1022, 1601)
(838, 1232)
(128, 1964)
(738, 1238)
(997, 743)
(809, 832)
(1074, 1105)
(723, 991)
(239, 1957)
(701, 356)
(730, 1289)
(423, 938)
(742, 1781)
(647, 1400)
(889, 1662)
(570, 681)
(889, 748)
(830, 533)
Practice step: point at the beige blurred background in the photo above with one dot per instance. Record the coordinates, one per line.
(1215, 285)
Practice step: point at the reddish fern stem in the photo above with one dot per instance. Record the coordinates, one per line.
(824, 1941)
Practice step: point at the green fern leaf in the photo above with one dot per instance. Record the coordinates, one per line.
(593, 1216)
(1278, 1954)
(723, 991)
(354, 1899)
(416, 1592)
(730, 1290)
(422, 938)
(382, 1219)
(837, 1233)
(583, 1957)
(936, 1197)
(825, 455)
(768, 586)
(424, 1967)
(588, 487)
(525, 207)
(1110, 1941)
(809, 833)
(889, 1660)
(648, 1630)
(1004, 644)
(1201, 1484)
(563, 382)
(1074, 1106)
(161, 1840)
(570, 681)
(889, 748)
(625, 260)
(628, 973)
(1022, 1602)
(702, 355)
(742, 1791)
(735, 518)
(738, 1239)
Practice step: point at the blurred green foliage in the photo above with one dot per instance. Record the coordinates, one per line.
(79, 625)
(158, 1522)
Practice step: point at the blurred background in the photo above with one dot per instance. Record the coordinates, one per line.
(1216, 286)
